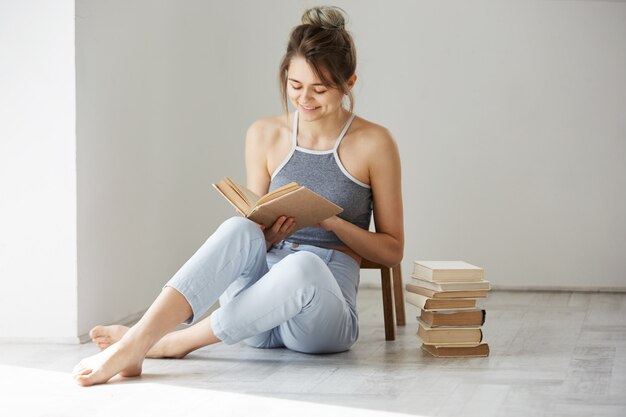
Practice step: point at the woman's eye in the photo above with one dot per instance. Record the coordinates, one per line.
(321, 91)
(294, 87)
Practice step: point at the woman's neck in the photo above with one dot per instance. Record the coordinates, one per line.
(324, 131)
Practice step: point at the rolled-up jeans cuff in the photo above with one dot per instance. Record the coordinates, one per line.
(218, 330)
(192, 299)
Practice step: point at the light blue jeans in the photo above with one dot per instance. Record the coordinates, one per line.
(300, 297)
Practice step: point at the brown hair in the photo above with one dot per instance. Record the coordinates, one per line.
(327, 47)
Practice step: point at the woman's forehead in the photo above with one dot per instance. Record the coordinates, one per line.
(300, 70)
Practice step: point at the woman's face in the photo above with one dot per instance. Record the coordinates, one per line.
(313, 100)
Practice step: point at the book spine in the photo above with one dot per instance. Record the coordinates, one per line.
(422, 272)
(417, 300)
(452, 318)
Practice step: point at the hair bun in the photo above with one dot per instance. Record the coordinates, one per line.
(326, 17)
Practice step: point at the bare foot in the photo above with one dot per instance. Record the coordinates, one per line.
(105, 336)
(166, 348)
(117, 359)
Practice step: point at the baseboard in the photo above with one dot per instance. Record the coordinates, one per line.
(82, 338)
(557, 288)
(126, 321)
(553, 288)
(133, 318)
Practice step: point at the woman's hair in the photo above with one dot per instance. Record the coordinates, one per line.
(323, 41)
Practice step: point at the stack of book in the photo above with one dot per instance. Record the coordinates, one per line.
(449, 321)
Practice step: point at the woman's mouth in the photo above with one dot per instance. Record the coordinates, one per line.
(309, 108)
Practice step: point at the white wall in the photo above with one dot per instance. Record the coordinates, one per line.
(150, 139)
(37, 171)
(508, 116)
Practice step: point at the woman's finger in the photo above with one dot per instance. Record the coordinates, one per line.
(286, 225)
(278, 224)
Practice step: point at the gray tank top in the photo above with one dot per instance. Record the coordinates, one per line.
(323, 172)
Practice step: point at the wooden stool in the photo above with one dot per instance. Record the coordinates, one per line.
(391, 280)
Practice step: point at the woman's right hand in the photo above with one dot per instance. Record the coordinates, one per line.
(282, 227)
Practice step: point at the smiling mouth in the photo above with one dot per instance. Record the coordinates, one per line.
(309, 107)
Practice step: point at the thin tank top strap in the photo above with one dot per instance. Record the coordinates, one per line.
(343, 132)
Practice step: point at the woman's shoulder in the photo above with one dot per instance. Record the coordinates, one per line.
(268, 129)
(269, 136)
(372, 136)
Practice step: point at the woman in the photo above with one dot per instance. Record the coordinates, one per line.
(279, 288)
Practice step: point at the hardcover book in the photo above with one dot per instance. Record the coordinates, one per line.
(451, 286)
(440, 303)
(453, 318)
(445, 294)
(293, 200)
(457, 351)
(447, 271)
(462, 336)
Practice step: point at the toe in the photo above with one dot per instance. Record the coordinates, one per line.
(101, 339)
(96, 332)
(85, 379)
(82, 377)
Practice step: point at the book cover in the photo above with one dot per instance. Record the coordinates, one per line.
(451, 286)
(462, 336)
(439, 304)
(457, 351)
(445, 294)
(447, 271)
(452, 318)
(293, 200)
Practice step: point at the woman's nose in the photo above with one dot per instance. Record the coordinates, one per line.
(306, 94)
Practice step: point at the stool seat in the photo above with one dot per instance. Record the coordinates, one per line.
(392, 288)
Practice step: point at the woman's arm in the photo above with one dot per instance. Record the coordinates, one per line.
(386, 245)
(259, 140)
(257, 149)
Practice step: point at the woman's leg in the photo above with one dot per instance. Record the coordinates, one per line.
(177, 344)
(297, 304)
(126, 357)
(234, 256)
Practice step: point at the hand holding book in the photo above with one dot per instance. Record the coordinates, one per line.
(292, 200)
(281, 229)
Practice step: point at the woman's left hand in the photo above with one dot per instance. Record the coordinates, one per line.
(282, 228)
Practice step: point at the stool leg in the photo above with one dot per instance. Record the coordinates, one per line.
(390, 325)
(398, 295)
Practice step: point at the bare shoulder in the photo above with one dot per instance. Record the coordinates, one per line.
(267, 143)
(373, 140)
(367, 149)
(267, 131)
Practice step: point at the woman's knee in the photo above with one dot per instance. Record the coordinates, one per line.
(317, 347)
(240, 226)
(303, 267)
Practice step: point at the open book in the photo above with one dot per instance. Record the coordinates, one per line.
(292, 200)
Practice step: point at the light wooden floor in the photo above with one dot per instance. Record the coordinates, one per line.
(552, 354)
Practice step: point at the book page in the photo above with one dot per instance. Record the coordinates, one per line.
(248, 196)
(232, 197)
(285, 189)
